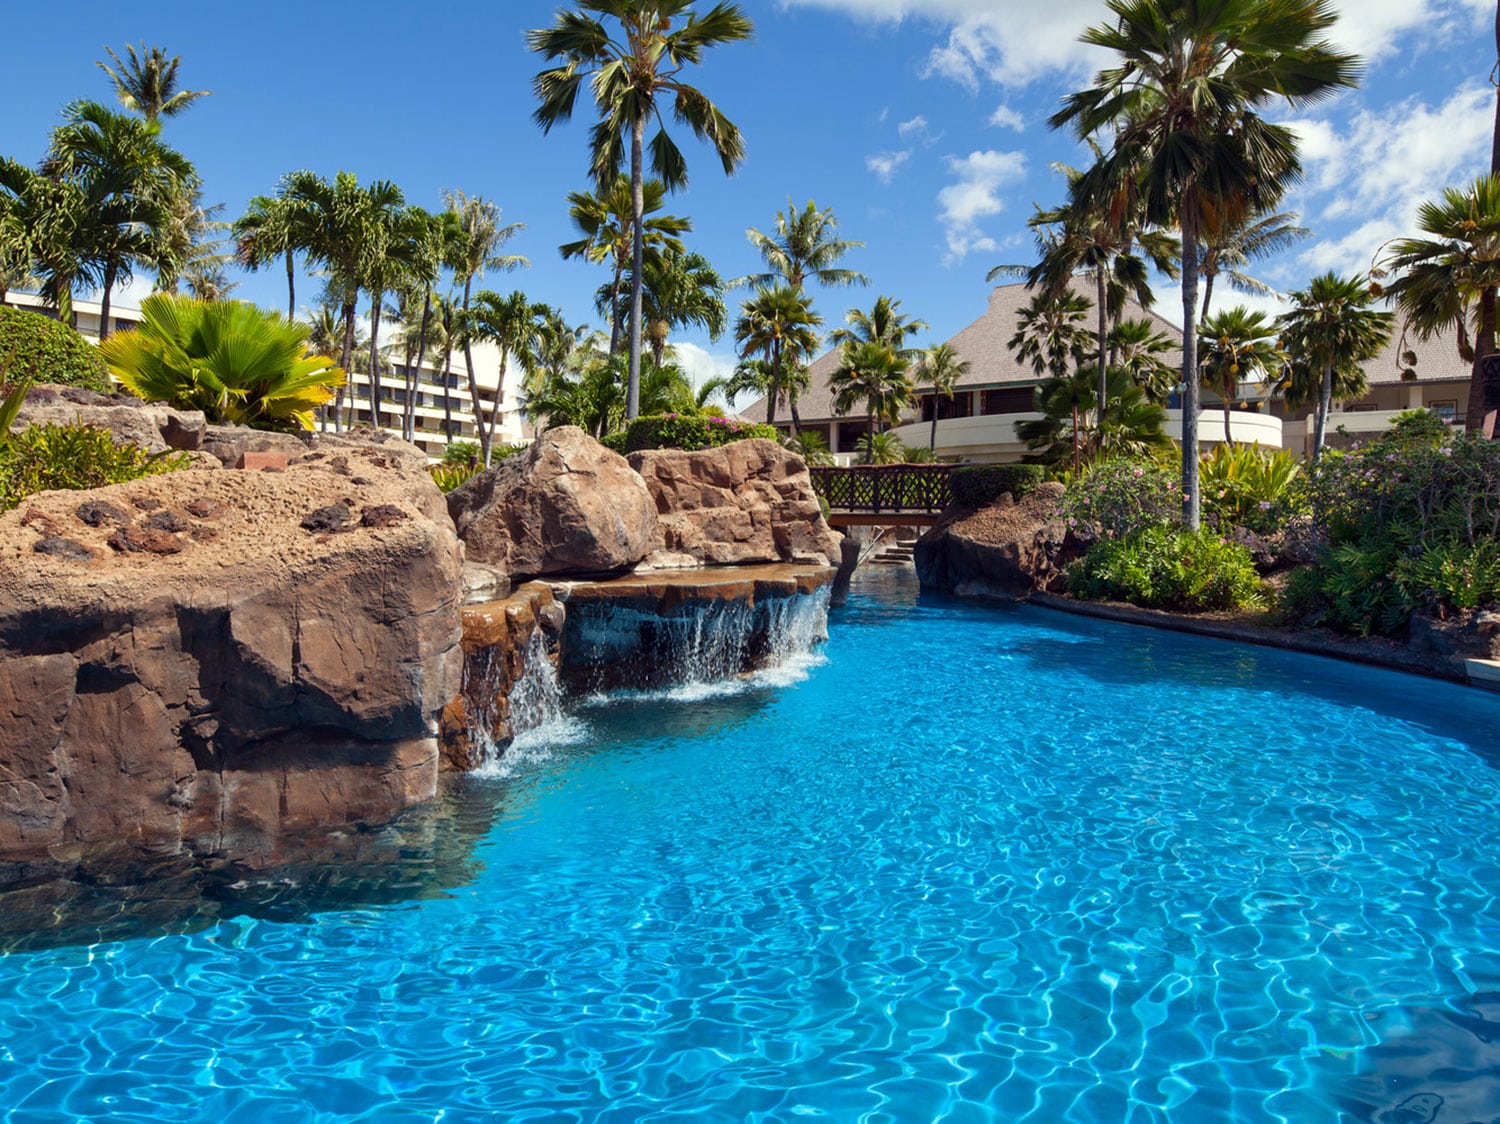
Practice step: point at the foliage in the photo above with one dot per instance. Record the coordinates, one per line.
(1132, 426)
(1247, 486)
(1452, 575)
(880, 448)
(1167, 568)
(49, 457)
(811, 447)
(461, 452)
(806, 247)
(451, 474)
(682, 431)
(978, 485)
(1124, 496)
(40, 349)
(236, 363)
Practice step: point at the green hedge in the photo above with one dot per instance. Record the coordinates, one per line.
(36, 349)
(681, 431)
(44, 458)
(979, 485)
(1165, 568)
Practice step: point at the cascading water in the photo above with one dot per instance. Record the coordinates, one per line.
(535, 700)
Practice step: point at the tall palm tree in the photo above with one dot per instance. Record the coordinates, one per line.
(393, 260)
(1230, 249)
(631, 74)
(871, 372)
(1190, 148)
(127, 182)
(1050, 333)
(885, 323)
(940, 366)
(806, 247)
(475, 249)
(1332, 329)
(1450, 277)
(604, 219)
(268, 232)
(147, 82)
(779, 325)
(681, 289)
(1238, 345)
(511, 323)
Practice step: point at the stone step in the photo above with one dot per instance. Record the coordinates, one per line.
(1484, 673)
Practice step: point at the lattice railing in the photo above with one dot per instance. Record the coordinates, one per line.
(884, 487)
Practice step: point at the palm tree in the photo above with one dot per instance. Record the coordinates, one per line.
(1452, 275)
(604, 219)
(393, 253)
(940, 366)
(631, 74)
(1332, 329)
(885, 323)
(805, 247)
(1231, 248)
(126, 180)
(1129, 425)
(268, 232)
(32, 208)
(872, 372)
(1138, 346)
(474, 249)
(147, 83)
(1190, 149)
(511, 324)
(780, 326)
(1237, 345)
(681, 289)
(1050, 334)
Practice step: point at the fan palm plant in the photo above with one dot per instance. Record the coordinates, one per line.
(236, 363)
(1230, 249)
(633, 72)
(1138, 347)
(1238, 346)
(1190, 148)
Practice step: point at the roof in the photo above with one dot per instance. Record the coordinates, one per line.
(1437, 359)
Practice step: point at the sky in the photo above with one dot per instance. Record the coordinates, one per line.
(921, 123)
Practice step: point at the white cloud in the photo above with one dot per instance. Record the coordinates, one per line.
(916, 127)
(700, 364)
(974, 196)
(884, 165)
(1005, 117)
(1168, 303)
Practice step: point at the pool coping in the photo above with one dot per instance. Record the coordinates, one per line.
(1374, 653)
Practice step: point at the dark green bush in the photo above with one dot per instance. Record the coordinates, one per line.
(614, 441)
(979, 485)
(1166, 568)
(461, 452)
(41, 349)
(46, 457)
(684, 431)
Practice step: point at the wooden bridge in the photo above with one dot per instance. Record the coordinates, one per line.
(884, 494)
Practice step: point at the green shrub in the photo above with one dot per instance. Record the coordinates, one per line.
(1351, 588)
(810, 446)
(1452, 575)
(882, 448)
(979, 485)
(47, 457)
(461, 452)
(684, 431)
(41, 349)
(1165, 568)
(1123, 496)
(450, 476)
(1247, 486)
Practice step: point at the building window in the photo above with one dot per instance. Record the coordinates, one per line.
(1009, 400)
(1446, 409)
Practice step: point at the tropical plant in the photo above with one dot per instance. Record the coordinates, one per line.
(393, 260)
(880, 448)
(39, 349)
(686, 431)
(806, 247)
(1190, 148)
(1050, 333)
(632, 74)
(1450, 277)
(236, 363)
(780, 327)
(1138, 348)
(810, 445)
(885, 324)
(1239, 346)
(1331, 329)
(1123, 495)
(512, 324)
(1250, 487)
(872, 373)
(1168, 568)
(48, 457)
(147, 82)
(941, 368)
(681, 290)
(1229, 249)
(268, 232)
(980, 485)
(1130, 424)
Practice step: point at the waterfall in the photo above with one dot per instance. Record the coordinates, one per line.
(535, 700)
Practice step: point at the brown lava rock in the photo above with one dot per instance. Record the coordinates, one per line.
(382, 515)
(331, 519)
(96, 513)
(168, 521)
(142, 540)
(202, 509)
(63, 548)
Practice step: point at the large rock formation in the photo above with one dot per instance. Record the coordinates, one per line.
(152, 426)
(1005, 550)
(748, 502)
(206, 660)
(567, 505)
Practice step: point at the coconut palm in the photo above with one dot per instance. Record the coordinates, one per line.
(32, 211)
(942, 368)
(681, 289)
(885, 323)
(147, 82)
(1238, 346)
(874, 373)
(268, 232)
(126, 181)
(1449, 278)
(511, 323)
(393, 260)
(1230, 250)
(805, 247)
(779, 325)
(236, 363)
(632, 74)
(1332, 329)
(1050, 333)
(604, 219)
(189, 247)
(1190, 148)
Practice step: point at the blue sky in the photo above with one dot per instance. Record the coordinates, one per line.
(921, 122)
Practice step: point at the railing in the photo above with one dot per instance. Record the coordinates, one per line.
(881, 488)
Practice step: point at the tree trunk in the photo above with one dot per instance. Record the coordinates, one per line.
(1484, 344)
(1228, 440)
(869, 436)
(489, 432)
(1208, 292)
(1099, 280)
(614, 308)
(414, 375)
(409, 386)
(637, 247)
(1191, 393)
(932, 434)
(791, 403)
(1325, 403)
(447, 399)
(291, 288)
(374, 383)
(1495, 142)
(348, 358)
(474, 403)
(109, 284)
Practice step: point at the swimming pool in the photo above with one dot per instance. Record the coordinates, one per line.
(975, 864)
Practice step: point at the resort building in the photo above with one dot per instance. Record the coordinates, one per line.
(440, 397)
(979, 423)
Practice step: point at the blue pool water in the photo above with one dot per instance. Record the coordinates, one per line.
(978, 865)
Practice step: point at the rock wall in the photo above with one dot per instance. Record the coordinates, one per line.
(211, 660)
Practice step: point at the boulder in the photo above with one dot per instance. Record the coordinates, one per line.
(231, 444)
(151, 425)
(1004, 551)
(185, 669)
(567, 506)
(748, 502)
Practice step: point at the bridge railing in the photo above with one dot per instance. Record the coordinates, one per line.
(885, 488)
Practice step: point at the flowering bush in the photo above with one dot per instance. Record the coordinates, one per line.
(1124, 496)
(1247, 486)
(687, 431)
